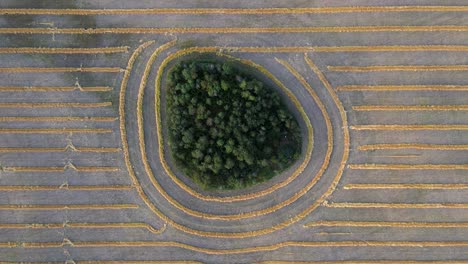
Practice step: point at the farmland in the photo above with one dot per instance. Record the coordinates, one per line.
(378, 89)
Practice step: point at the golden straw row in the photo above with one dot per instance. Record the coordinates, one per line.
(387, 224)
(398, 156)
(54, 105)
(138, 262)
(8, 188)
(408, 166)
(385, 88)
(413, 146)
(371, 48)
(410, 108)
(366, 262)
(65, 149)
(82, 225)
(54, 130)
(410, 127)
(395, 48)
(54, 89)
(42, 50)
(57, 119)
(256, 249)
(232, 11)
(234, 30)
(419, 186)
(25, 207)
(399, 205)
(411, 48)
(261, 262)
(116, 262)
(60, 169)
(378, 68)
(60, 69)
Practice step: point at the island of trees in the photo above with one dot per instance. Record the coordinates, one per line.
(226, 129)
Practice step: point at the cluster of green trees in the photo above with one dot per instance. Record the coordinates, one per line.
(226, 130)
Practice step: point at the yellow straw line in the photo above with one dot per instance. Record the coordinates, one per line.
(81, 225)
(398, 205)
(61, 69)
(54, 105)
(56, 119)
(347, 48)
(232, 11)
(34, 169)
(138, 262)
(116, 225)
(54, 89)
(60, 169)
(270, 49)
(53, 130)
(96, 169)
(32, 226)
(398, 68)
(396, 48)
(411, 48)
(410, 108)
(74, 149)
(95, 89)
(114, 262)
(15, 262)
(233, 30)
(413, 146)
(302, 49)
(40, 50)
(387, 224)
(408, 166)
(304, 244)
(98, 150)
(421, 186)
(410, 127)
(261, 262)
(65, 187)
(384, 88)
(24, 207)
(398, 156)
(256, 249)
(369, 262)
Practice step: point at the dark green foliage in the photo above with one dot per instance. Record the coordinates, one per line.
(227, 131)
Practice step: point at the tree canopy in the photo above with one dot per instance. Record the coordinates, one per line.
(226, 129)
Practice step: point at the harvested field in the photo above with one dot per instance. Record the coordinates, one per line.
(380, 90)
